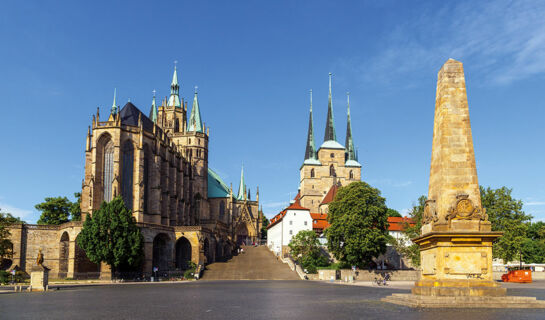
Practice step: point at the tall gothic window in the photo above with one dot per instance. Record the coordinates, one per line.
(128, 161)
(222, 210)
(332, 171)
(351, 174)
(177, 125)
(146, 179)
(108, 170)
(312, 173)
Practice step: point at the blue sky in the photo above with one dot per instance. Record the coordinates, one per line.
(254, 63)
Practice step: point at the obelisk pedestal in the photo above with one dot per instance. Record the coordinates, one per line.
(456, 237)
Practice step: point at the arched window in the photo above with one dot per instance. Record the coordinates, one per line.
(146, 177)
(332, 171)
(177, 125)
(312, 173)
(108, 170)
(128, 162)
(222, 210)
(351, 174)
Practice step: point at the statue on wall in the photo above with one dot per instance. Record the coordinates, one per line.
(40, 258)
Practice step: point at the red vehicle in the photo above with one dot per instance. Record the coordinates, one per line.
(520, 276)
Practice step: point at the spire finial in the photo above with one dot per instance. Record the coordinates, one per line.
(196, 89)
(154, 92)
(175, 64)
(310, 100)
(348, 101)
(114, 104)
(330, 125)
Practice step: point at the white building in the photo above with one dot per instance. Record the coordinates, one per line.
(285, 225)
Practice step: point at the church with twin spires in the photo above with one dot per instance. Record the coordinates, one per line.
(330, 166)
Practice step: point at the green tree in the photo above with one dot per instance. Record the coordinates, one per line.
(412, 250)
(359, 227)
(111, 235)
(505, 213)
(264, 226)
(393, 213)
(305, 248)
(533, 247)
(6, 247)
(75, 208)
(54, 210)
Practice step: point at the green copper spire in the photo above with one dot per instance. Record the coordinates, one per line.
(153, 112)
(310, 152)
(330, 124)
(349, 144)
(195, 122)
(174, 99)
(242, 186)
(114, 105)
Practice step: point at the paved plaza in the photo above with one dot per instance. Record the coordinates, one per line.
(239, 300)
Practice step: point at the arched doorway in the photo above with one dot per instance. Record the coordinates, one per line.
(219, 250)
(161, 252)
(83, 267)
(206, 249)
(183, 253)
(242, 235)
(64, 247)
(227, 251)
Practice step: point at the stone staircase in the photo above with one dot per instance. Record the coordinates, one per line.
(256, 263)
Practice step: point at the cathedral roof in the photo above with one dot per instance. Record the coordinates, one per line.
(216, 187)
(330, 196)
(331, 144)
(129, 115)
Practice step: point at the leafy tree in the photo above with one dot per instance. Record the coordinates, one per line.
(533, 247)
(110, 235)
(264, 226)
(54, 210)
(6, 247)
(358, 218)
(505, 213)
(75, 208)
(393, 213)
(412, 251)
(305, 248)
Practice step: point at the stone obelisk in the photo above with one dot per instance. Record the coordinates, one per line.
(456, 237)
(456, 241)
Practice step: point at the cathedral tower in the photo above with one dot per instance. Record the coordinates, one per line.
(332, 164)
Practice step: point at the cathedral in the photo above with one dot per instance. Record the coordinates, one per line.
(329, 167)
(158, 164)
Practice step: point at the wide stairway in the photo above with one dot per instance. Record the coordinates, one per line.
(256, 263)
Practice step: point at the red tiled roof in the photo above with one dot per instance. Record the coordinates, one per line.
(399, 223)
(319, 221)
(330, 194)
(296, 206)
(276, 219)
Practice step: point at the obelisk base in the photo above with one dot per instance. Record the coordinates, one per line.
(457, 273)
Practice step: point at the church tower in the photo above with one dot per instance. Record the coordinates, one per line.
(332, 164)
(194, 146)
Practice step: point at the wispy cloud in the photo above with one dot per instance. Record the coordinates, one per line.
(16, 212)
(275, 204)
(535, 203)
(503, 40)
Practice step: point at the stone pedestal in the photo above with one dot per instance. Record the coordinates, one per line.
(39, 278)
(457, 264)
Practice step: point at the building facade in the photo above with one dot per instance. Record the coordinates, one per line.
(158, 164)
